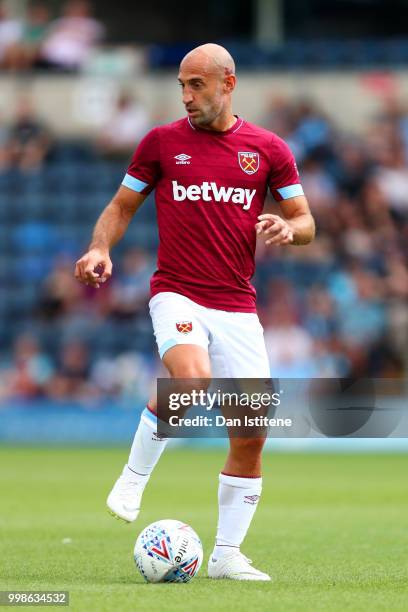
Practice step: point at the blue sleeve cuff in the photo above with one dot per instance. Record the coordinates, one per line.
(134, 183)
(166, 346)
(290, 191)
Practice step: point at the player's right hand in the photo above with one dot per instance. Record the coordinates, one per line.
(94, 268)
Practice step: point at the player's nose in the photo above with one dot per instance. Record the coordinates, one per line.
(187, 97)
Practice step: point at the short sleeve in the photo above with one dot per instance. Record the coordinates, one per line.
(144, 169)
(284, 180)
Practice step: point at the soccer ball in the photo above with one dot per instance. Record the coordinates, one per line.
(168, 551)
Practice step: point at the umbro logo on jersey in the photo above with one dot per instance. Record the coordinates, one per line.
(182, 159)
(248, 162)
(210, 192)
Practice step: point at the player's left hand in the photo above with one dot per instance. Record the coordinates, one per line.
(275, 229)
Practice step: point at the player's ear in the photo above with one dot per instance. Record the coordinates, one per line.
(229, 83)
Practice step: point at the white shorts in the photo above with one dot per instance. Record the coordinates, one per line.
(233, 340)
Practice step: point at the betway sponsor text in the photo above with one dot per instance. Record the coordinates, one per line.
(210, 192)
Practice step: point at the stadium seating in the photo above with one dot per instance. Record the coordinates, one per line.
(300, 54)
(49, 213)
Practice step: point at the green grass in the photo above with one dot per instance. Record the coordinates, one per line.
(331, 529)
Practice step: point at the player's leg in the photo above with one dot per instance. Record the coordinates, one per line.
(181, 361)
(244, 457)
(125, 498)
(238, 351)
(184, 353)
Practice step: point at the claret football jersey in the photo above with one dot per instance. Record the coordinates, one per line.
(210, 189)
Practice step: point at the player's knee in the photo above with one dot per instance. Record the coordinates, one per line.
(184, 361)
(191, 377)
(247, 446)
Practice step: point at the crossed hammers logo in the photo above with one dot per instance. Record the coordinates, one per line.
(249, 162)
(184, 327)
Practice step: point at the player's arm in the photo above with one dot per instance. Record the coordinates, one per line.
(295, 226)
(95, 266)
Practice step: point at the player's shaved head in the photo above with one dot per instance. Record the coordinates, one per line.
(207, 78)
(209, 58)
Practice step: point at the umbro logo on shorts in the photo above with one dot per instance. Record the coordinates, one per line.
(183, 159)
(184, 327)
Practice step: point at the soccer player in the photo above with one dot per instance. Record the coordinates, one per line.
(211, 171)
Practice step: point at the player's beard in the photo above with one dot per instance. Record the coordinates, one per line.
(208, 111)
(205, 117)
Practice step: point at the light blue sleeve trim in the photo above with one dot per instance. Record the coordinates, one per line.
(290, 191)
(166, 346)
(134, 183)
(149, 416)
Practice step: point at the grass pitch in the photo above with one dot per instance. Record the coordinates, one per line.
(332, 530)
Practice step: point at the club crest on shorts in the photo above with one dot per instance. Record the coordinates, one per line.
(184, 327)
(248, 161)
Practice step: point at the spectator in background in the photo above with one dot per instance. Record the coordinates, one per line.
(29, 140)
(4, 150)
(130, 290)
(318, 183)
(59, 294)
(362, 320)
(125, 129)
(126, 376)
(29, 373)
(313, 130)
(11, 31)
(319, 313)
(71, 38)
(289, 346)
(34, 31)
(279, 117)
(303, 125)
(71, 380)
(392, 179)
(351, 167)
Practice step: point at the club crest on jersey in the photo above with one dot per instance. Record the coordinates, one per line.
(248, 162)
(184, 327)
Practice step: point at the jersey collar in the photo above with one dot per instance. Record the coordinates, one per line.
(237, 125)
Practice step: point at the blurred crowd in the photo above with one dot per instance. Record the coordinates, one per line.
(72, 371)
(337, 307)
(340, 305)
(42, 40)
(27, 143)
